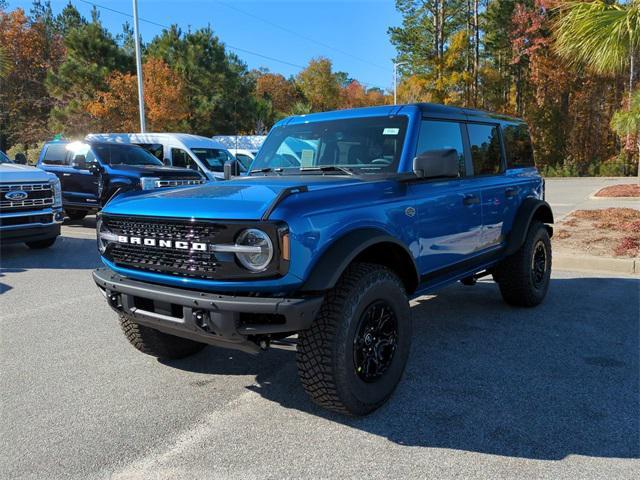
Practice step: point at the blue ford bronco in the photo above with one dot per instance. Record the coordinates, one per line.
(343, 218)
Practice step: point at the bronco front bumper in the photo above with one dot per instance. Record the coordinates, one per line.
(223, 320)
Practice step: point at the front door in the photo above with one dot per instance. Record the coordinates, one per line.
(80, 186)
(448, 211)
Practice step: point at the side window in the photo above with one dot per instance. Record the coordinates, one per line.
(517, 143)
(55, 154)
(154, 149)
(438, 135)
(486, 155)
(180, 158)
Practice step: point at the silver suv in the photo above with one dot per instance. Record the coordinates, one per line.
(30, 205)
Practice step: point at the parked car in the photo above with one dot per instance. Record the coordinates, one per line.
(243, 147)
(92, 173)
(244, 157)
(30, 205)
(329, 237)
(181, 150)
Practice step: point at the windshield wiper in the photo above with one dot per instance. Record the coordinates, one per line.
(327, 168)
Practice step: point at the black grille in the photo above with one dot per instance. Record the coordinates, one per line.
(166, 229)
(186, 263)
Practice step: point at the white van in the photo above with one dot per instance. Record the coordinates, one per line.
(177, 150)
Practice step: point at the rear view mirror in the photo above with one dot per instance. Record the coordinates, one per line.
(436, 163)
(231, 169)
(20, 159)
(79, 162)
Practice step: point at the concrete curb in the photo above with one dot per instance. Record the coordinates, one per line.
(616, 199)
(567, 261)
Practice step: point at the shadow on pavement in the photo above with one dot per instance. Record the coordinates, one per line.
(66, 253)
(544, 383)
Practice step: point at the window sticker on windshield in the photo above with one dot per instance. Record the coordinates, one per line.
(306, 159)
(390, 131)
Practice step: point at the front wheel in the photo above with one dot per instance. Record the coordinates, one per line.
(524, 277)
(352, 357)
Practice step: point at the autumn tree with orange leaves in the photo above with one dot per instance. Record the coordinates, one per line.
(116, 109)
(30, 49)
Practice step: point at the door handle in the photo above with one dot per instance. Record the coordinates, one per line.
(66, 174)
(511, 192)
(471, 200)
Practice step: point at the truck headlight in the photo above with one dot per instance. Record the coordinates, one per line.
(148, 183)
(57, 192)
(256, 249)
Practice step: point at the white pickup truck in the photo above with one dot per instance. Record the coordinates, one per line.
(30, 205)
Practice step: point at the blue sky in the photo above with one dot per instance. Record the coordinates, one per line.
(352, 33)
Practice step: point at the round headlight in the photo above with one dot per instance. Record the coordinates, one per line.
(261, 252)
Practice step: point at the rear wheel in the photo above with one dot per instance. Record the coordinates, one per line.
(524, 277)
(352, 357)
(38, 244)
(76, 214)
(156, 343)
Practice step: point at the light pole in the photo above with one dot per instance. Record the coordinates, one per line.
(138, 66)
(395, 80)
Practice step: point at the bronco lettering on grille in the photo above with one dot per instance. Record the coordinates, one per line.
(154, 242)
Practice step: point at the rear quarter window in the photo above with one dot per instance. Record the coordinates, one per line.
(517, 143)
(55, 154)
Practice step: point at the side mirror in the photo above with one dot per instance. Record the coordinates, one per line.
(436, 163)
(79, 162)
(167, 162)
(20, 159)
(231, 169)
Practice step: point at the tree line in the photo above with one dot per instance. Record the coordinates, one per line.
(568, 67)
(565, 66)
(66, 74)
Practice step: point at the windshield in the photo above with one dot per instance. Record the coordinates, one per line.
(4, 158)
(360, 145)
(213, 158)
(117, 154)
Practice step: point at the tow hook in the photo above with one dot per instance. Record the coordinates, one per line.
(114, 300)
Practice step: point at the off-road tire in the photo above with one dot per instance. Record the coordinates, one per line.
(326, 351)
(38, 244)
(515, 274)
(156, 343)
(75, 215)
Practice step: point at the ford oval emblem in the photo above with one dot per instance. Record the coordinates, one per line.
(16, 195)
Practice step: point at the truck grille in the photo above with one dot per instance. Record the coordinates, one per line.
(178, 182)
(36, 195)
(189, 263)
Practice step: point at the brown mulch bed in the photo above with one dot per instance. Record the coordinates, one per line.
(607, 232)
(632, 190)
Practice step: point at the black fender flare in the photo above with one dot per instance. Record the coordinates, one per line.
(529, 209)
(334, 261)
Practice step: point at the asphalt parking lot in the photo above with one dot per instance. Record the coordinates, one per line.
(490, 391)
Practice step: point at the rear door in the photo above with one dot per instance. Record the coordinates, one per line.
(54, 159)
(448, 212)
(499, 195)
